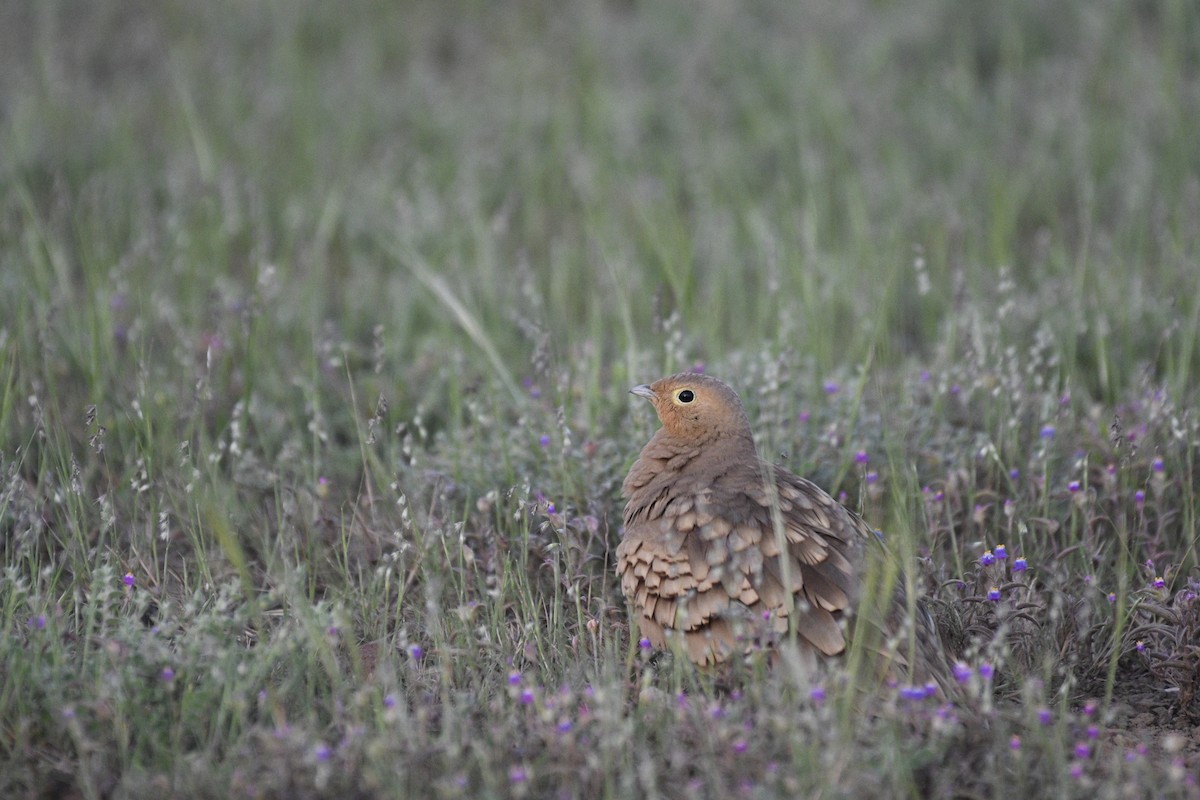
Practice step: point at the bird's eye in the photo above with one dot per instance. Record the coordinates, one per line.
(686, 396)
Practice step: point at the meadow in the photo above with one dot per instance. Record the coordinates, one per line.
(317, 323)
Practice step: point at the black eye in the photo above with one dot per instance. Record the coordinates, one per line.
(686, 396)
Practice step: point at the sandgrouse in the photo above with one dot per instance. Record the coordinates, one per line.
(723, 551)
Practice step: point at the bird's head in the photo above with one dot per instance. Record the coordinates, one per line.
(696, 407)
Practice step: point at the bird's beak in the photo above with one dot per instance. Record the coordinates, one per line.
(643, 390)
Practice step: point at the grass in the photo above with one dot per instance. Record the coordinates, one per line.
(316, 328)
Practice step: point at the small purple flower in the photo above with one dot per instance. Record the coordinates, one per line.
(544, 441)
(1093, 732)
(1014, 743)
(1014, 473)
(514, 678)
(129, 580)
(644, 643)
(1159, 583)
(1089, 708)
(322, 752)
(987, 559)
(1139, 498)
(939, 496)
(1140, 646)
(861, 457)
(1082, 750)
(416, 652)
(389, 701)
(913, 693)
(1047, 432)
(526, 697)
(1076, 770)
(740, 746)
(167, 674)
(1001, 552)
(1157, 465)
(1112, 597)
(517, 774)
(38, 622)
(803, 416)
(1073, 487)
(993, 594)
(925, 376)
(1044, 716)
(872, 477)
(817, 694)
(831, 387)
(986, 671)
(962, 672)
(955, 389)
(698, 367)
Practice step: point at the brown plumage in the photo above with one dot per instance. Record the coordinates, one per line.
(721, 550)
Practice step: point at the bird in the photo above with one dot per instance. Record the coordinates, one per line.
(723, 552)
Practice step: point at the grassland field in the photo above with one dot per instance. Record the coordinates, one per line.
(317, 322)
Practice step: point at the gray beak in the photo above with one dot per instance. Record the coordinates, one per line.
(643, 390)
